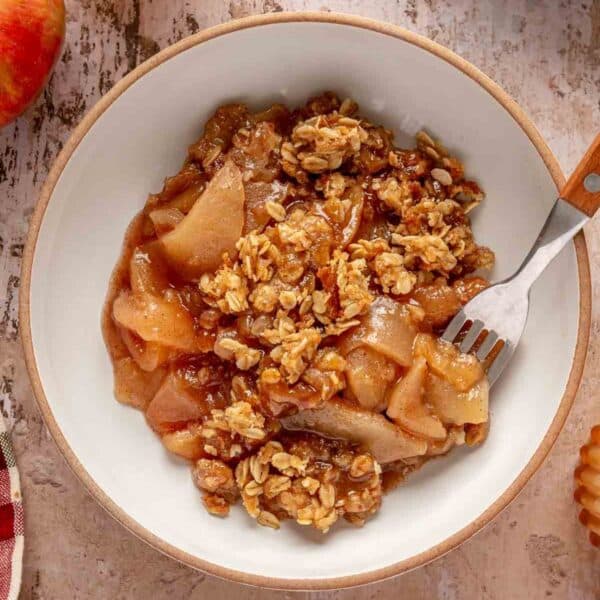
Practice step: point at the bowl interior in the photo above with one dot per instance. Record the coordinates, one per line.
(142, 137)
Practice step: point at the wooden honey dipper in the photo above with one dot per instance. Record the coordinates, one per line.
(587, 476)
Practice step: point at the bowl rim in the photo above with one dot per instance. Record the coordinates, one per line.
(514, 110)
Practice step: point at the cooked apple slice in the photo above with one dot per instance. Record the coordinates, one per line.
(440, 303)
(186, 443)
(147, 270)
(134, 386)
(406, 406)
(281, 396)
(463, 371)
(155, 319)
(212, 227)
(456, 437)
(174, 404)
(337, 419)
(388, 328)
(148, 355)
(468, 287)
(165, 219)
(369, 376)
(454, 407)
(350, 229)
(185, 200)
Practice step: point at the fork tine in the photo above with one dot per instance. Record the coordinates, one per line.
(487, 345)
(499, 362)
(454, 326)
(473, 333)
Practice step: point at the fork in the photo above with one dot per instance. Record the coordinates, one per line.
(495, 318)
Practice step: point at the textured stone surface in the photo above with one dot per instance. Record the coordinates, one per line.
(545, 53)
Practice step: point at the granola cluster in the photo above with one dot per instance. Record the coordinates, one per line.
(335, 216)
(308, 479)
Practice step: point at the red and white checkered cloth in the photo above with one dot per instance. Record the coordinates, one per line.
(11, 520)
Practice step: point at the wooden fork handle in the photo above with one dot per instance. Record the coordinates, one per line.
(582, 190)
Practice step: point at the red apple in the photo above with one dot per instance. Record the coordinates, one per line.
(31, 36)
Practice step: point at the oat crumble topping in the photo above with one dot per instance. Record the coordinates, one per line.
(276, 308)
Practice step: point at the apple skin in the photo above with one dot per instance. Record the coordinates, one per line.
(31, 37)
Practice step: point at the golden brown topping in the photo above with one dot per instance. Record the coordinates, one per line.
(244, 357)
(392, 274)
(216, 505)
(238, 424)
(243, 419)
(308, 483)
(275, 210)
(295, 352)
(267, 519)
(277, 484)
(352, 285)
(227, 290)
(256, 256)
(395, 194)
(431, 250)
(323, 143)
(362, 465)
(311, 485)
(270, 376)
(214, 476)
(442, 176)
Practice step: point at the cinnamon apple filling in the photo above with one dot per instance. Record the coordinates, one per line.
(276, 308)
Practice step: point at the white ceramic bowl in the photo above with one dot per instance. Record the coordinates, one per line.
(138, 134)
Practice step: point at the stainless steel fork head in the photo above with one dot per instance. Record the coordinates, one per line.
(501, 310)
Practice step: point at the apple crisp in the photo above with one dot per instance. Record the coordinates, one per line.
(276, 311)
